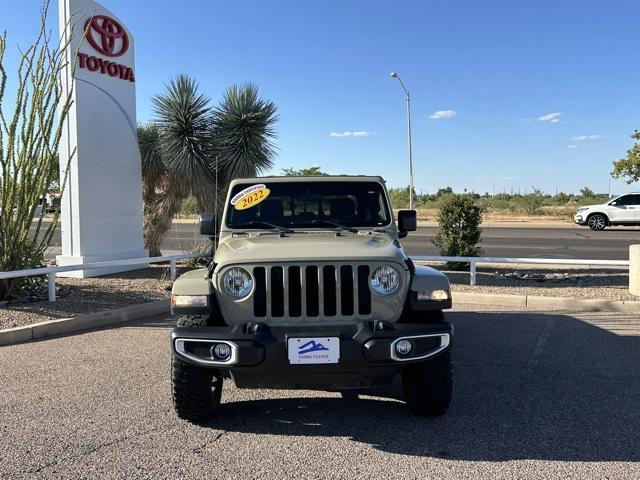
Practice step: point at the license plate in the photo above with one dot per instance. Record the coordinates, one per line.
(313, 350)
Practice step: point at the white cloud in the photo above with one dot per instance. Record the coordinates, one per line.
(440, 114)
(586, 137)
(573, 146)
(358, 133)
(550, 117)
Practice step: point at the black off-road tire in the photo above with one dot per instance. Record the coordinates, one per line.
(192, 321)
(196, 391)
(428, 387)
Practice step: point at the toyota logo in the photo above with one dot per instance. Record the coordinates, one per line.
(107, 36)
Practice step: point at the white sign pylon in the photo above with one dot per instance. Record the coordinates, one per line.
(102, 215)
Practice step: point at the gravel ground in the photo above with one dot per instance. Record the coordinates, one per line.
(587, 284)
(536, 396)
(91, 295)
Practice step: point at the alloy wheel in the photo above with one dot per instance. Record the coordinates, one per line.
(597, 222)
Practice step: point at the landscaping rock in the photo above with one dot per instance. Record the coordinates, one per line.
(90, 295)
(604, 284)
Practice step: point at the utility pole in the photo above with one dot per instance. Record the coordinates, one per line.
(408, 99)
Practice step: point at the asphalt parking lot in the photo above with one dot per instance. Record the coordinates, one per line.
(536, 396)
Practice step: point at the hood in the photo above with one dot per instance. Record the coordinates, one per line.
(308, 248)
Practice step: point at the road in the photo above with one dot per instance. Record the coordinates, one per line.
(565, 241)
(542, 242)
(536, 396)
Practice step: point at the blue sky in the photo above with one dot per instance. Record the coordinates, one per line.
(504, 67)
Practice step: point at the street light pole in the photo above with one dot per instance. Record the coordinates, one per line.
(408, 98)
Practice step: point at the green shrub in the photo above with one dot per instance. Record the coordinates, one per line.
(189, 206)
(459, 228)
(444, 191)
(561, 198)
(532, 202)
(399, 197)
(498, 202)
(586, 192)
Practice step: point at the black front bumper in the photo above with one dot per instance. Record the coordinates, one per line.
(260, 358)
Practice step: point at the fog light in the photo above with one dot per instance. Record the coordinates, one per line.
(221, 351)
(403, 347)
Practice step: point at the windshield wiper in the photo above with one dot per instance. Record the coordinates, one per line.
(335, 224)
(260, 223)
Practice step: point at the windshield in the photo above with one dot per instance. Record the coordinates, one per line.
(308, 205)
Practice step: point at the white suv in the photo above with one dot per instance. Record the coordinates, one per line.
(622, 210)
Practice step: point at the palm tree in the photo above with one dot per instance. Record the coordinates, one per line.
(186, 143)
(242, 132)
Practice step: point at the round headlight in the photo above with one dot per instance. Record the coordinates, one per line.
(238, 282)
(384, 280)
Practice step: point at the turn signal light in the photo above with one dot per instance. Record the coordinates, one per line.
(433, 295)
(189, 300)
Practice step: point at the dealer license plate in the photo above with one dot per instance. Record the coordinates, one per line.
(313, 350)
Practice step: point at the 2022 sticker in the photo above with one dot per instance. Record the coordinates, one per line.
(250, 196)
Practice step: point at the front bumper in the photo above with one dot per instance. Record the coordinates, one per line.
(259, 357)
(580, 219)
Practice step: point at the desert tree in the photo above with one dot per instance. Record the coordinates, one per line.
(629, 166)
(242, 133)
(192, 148)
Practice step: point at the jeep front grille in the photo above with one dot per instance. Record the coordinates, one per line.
(333, 291)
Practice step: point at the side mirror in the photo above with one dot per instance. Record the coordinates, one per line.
(613, 204)
(407, 222)
(208, 224)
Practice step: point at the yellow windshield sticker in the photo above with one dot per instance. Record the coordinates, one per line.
(250, 196)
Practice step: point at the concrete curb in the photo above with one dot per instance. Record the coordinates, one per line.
(531, 302)
(136, 312)
(82, 322)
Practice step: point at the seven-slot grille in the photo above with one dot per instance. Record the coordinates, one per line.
(292, 291)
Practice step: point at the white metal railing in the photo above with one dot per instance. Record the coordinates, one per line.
(473, 261)
(51, 272)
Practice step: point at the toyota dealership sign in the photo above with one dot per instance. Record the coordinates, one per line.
(109, 38)
(102, 203)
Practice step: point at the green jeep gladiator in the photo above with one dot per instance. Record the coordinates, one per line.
(310, 288)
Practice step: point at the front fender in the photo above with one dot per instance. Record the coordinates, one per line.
(428, 279)
(194, 283)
